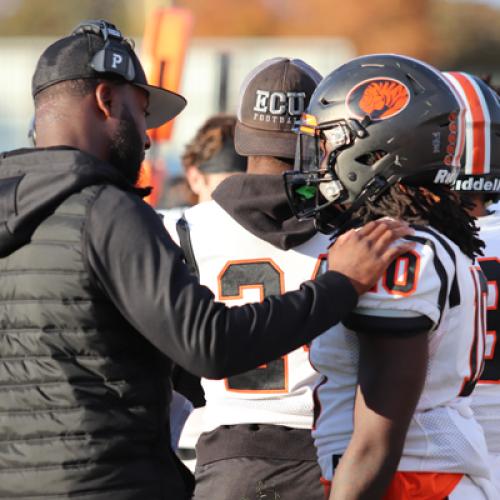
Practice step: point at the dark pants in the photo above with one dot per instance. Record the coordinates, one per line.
(233, 472)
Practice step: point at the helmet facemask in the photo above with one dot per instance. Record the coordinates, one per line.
(313, 188)
(313, 184)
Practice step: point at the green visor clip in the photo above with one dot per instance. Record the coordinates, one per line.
(306, 192)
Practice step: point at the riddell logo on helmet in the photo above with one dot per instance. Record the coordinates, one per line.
(478, 184)
(379, 98)
(444, 176)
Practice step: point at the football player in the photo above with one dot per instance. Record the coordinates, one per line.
(247, 244)
(208, 158)
(383, 136)
(479, 184)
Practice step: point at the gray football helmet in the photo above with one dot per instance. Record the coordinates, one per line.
(372, 122)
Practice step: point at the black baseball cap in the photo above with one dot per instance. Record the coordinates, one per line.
(272, 98)
(81, 55)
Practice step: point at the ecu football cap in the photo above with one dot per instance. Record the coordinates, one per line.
(273, 96)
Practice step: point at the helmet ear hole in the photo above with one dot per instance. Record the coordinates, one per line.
(371, 158)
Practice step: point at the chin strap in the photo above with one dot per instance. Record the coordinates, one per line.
(343, 222)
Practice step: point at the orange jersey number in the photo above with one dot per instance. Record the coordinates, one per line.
(265, 276)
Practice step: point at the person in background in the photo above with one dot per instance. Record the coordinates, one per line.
(247, 244)
(210, 157)
(479, 187)
(207, 160)
(177, 194)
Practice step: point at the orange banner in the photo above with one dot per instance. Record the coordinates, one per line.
(166, 37)
(153, 175)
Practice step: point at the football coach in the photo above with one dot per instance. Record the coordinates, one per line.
(96, 302)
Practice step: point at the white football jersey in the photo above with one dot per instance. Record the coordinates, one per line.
(239, 267)
(486, 396)
(434, 284)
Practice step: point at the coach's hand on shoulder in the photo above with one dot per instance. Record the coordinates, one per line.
(364, 254)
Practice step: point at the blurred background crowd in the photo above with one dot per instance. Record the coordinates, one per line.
(226, 38)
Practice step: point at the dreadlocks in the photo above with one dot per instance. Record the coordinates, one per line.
(436, 205)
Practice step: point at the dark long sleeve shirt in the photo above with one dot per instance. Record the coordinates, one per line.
(141, 269)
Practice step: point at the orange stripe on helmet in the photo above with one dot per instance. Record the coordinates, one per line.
(476, 148)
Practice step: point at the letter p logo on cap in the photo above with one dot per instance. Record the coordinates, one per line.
(117, 60)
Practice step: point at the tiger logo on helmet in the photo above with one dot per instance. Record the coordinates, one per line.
(379, 98)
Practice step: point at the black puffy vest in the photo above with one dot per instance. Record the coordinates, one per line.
(83, 396)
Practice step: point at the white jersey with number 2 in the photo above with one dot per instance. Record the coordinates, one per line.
(239, 267)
